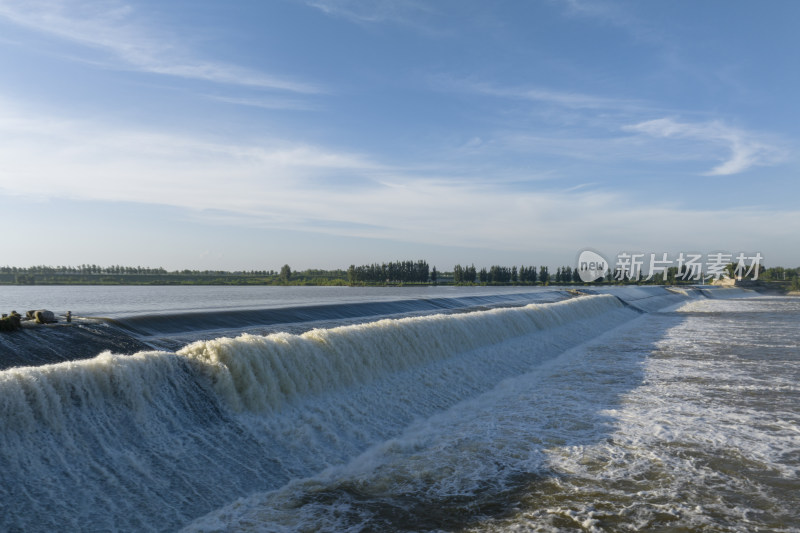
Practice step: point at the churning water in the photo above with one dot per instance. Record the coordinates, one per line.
(639, 409)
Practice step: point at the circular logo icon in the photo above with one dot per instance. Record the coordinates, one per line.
(591, 266)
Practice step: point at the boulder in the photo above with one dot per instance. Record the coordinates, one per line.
(43, 316)
(10, 323)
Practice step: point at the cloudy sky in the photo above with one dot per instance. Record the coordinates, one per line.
(320, 133)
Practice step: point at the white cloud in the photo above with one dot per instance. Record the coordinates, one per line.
(265, 103)
(589, 133)
(621, 17)
(377, 11)
(746, 150)
(564, 99)
(277, 184)
(116, 28)
(567, 99)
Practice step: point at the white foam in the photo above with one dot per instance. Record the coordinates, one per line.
(663, 423)
(262, 373)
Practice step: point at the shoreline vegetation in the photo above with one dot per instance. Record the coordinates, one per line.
(398, 273)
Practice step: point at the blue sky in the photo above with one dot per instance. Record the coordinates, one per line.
(320, 133)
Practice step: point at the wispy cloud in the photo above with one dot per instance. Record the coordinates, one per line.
(620, 17)
(567, 99)
(577, 126)
(84, 159)
(116, 28)
(265, 103)
(410, 13)
(280, 184)
(745, 149)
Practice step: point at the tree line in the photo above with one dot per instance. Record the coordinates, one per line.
(525, 275)
(97, 270)
(408, 271)
(125, 275)
(393, 272)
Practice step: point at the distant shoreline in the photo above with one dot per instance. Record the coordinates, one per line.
(394, 274)
(777, 288)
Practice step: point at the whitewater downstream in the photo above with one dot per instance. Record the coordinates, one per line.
(640, 408)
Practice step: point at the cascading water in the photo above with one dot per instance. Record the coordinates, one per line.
(154, 440)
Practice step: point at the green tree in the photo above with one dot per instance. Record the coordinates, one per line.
(470, 274)
(672, 273)
(532, 274)
(286, 273)
(544, 275)
(458, 274)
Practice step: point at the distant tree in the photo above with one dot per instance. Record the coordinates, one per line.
(434, 275)
(671, 274)
(484, 275)
(497, 274)
(544, 275)
(470, 274)
(458, 274)
(422, 271)
(286, 273)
